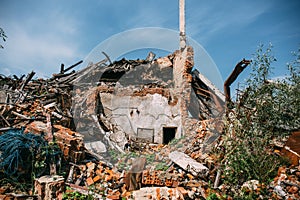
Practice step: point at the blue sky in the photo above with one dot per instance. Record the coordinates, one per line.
(43, 34)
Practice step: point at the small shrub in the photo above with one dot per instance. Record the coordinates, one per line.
(75, 195)
(161, 166)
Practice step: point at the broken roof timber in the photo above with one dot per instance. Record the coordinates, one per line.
(209, 84)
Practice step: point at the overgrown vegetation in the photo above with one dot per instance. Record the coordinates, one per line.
(267, 110)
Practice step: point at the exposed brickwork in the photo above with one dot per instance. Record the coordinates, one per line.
(49, 187)
(183, 64)
(292, 148)
(70, 142)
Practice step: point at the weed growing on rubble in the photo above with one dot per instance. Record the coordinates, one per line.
(75, 195)
(267, 110)
(150, 158)
(114, 155)
(213, 196)
(161, 166)
(121, 160)
(176, 141)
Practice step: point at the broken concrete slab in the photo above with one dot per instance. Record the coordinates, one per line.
(188, 164)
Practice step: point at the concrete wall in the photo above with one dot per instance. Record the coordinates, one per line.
(145, 112)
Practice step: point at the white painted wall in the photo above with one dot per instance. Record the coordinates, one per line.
(151, 112)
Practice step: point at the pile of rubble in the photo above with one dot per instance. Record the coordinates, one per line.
(182, 168)
(286, 183)
(156, 171)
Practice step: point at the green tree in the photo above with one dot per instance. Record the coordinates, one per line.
(266, 110)
(3, 36)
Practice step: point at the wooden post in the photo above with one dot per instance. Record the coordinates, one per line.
(233, 76)
(62, 68)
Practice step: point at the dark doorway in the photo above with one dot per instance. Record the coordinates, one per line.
(168, 134)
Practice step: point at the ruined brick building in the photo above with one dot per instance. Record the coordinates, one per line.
(151, 100)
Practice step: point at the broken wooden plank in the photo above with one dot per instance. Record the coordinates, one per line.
(210, 85)
(188, 164)
(62, 68)
(133, 179)
(28, 78)
(70, 176)
(49, 135)
(72, 66)
(7, 123)
(20, 115)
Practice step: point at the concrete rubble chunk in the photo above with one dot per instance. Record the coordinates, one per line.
(188, 164)
(251, 185)
(279, 190)
(159, 193)
(96, 146)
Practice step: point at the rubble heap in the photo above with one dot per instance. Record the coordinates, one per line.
(131, 129)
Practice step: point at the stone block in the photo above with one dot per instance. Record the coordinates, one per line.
(188, 164)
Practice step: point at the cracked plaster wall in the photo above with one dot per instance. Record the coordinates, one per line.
(148, 112)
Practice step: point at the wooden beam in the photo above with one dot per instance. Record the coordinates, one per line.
(233, 76)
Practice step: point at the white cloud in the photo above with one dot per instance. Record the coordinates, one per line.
(40, 45)
(204, 20)
(6, 71)
(155, 14)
